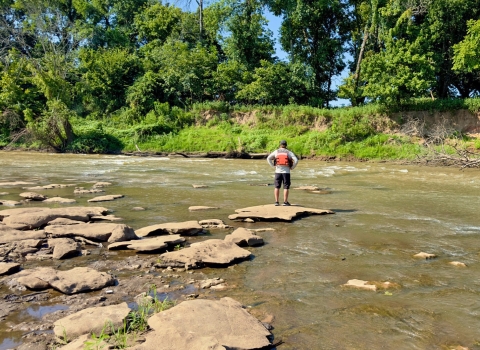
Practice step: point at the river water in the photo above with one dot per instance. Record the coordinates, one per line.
(385, 214)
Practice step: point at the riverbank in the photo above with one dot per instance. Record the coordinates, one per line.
(360, 133)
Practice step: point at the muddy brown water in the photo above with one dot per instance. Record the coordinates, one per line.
(384, 215)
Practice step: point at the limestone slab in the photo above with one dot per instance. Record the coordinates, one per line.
(92, 320)
(149, 244)
(103, 232)
(205, 324)
(186, 228)
(209, 252)
(272, 212)
(76, 280)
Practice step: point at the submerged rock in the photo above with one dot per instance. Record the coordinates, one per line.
(205, 324)
(9, 203)
(101, 184)
(457, 263)
(243, 237)
(307, 188)
(104, 319)
(209, 252)
(82, 190)
(76, 280)
(272, 212)
(360, 285)
(201, 207)
(423, 255)
(199, 186)
(187, 228)
(107, 198)
(16, 183)
(60, 200)
(49, 187)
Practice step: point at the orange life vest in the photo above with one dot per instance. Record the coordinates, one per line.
(282, 157)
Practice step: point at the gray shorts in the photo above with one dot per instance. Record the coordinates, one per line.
(282, 178)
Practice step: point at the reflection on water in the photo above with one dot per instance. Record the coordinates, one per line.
(385, 215)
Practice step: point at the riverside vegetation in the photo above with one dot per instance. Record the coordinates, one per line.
(96, 77)
(371, 132)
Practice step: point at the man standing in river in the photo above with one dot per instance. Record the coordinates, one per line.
(283, 160)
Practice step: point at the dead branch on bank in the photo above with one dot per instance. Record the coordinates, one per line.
(437, 138)
(462, 158)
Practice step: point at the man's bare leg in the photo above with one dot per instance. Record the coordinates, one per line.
(285, 196)
(276, 192)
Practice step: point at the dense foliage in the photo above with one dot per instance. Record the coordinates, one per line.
(67, 64)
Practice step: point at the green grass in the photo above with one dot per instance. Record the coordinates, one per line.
(310, 131)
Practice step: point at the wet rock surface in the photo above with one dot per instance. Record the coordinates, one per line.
(186, 228)
(76, 280)
(244, 238)
(272, 212)
(206, 324)
(92, 320)
(30, 218)
(209, 252)
(101, 232)
(149, 244)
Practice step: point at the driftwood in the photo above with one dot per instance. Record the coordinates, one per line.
(462, 158)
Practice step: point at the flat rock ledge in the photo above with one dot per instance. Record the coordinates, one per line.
(34, 217)
(205, 324)
(186, 228)
(10, 235)
(244, 238)
(107, 198)
(212, 252)
(92, 320)
(102, 232)
(8, 268)
(149, 245)
(76, 280)
(271, 212)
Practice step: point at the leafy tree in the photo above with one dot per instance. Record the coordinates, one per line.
(398, 73)
(277, 83)
(314, 33)
(249, 41)
(105, 75)
(467, 52)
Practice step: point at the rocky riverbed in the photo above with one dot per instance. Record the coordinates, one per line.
(96, 277)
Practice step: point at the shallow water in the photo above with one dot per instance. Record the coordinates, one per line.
(384, 215)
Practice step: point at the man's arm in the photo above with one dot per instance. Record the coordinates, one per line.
(294, 158)
(271, 158)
